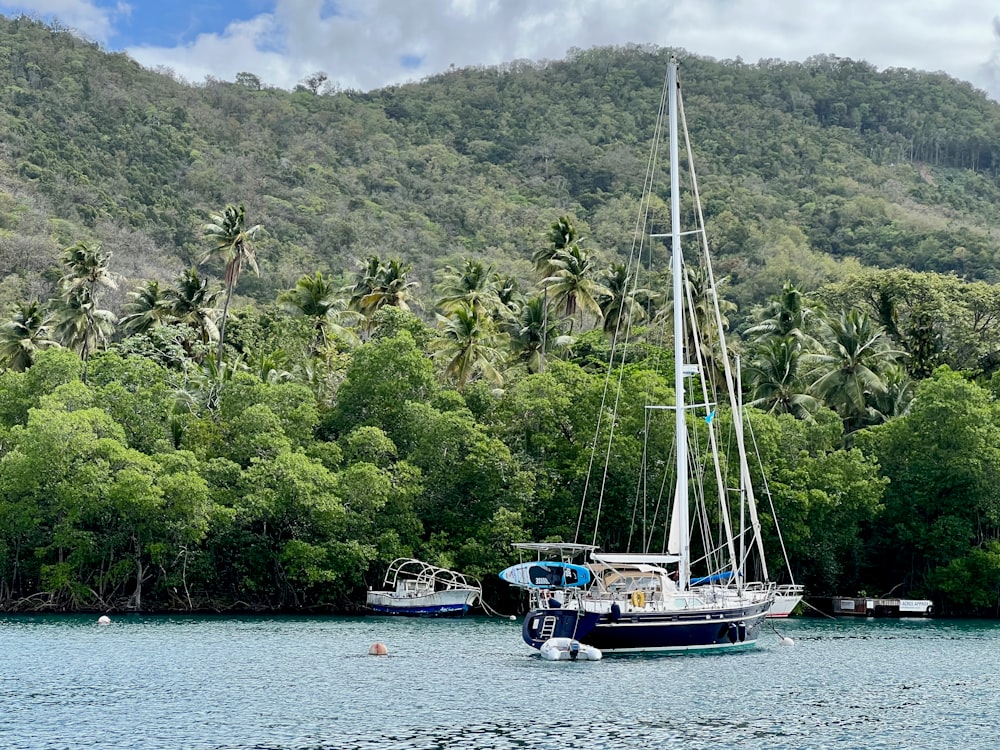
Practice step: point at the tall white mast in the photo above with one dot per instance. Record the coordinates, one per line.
(677, 272)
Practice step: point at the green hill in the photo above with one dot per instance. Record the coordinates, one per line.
(805, 167)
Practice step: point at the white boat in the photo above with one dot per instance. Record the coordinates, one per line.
(786, 599)
(419, 589)
(708, 587)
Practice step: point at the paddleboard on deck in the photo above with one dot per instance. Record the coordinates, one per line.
(546, 575)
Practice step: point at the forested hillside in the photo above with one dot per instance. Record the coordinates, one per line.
(800, 163)
(257, 343)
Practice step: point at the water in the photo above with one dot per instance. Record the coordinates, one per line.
(308, 684)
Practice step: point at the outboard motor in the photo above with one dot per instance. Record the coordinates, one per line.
(574, 650)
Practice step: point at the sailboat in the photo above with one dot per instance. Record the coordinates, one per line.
(696, 593)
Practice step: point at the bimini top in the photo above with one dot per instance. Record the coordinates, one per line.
(633, 558)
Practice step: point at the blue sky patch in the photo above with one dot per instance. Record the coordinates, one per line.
(411, 62)
(160, 23)
(169, 23)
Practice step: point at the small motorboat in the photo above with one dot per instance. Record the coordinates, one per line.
(568, 649)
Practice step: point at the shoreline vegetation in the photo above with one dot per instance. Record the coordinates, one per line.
(154, 487)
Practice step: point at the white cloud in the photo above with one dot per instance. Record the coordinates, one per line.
(364, 44)
(244, 46)
(82, 16)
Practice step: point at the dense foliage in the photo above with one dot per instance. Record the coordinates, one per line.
(419, 363)
(284, 481)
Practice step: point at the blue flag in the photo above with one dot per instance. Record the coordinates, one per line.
(710, 417)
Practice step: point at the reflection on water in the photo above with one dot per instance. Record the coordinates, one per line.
(308, 683)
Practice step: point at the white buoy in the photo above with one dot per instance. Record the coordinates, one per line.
(512, 618)
(786, 641)
(103, 620)
(378, 649)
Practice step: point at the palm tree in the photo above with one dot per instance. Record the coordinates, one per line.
(87, 269)
(775, 374)
(364, 282)
(200, 386)
(471, 345)
(193, 303)
(848, 375)
(508, 295)
(149, 307)
(788, 316)
(81, 324)
(775, 380)
(898, 395)
(232, 240)
(533, 335)
(315, 297)
(472, 285)
(322, 374)
(571, 284)
(271, 367)
(700, 324)
(562, 236)
(391, 287)
(619, 307)
(28, 331)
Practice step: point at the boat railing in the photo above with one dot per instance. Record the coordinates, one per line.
(404, 572)
(790, 589)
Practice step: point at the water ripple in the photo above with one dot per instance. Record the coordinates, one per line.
(273, 683)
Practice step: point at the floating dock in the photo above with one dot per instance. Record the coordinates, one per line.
(863, 606)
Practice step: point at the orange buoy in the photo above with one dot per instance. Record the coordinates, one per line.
(378, 649)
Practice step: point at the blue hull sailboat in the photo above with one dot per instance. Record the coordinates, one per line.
(696, 593)
(635, 605)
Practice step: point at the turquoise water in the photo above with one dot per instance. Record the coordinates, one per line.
(308, 683)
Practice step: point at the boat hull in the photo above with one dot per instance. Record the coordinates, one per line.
(783, 606)
(439, 604)
(725, 629)
(784, 603)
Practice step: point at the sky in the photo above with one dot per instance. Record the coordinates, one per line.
(366, 44)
